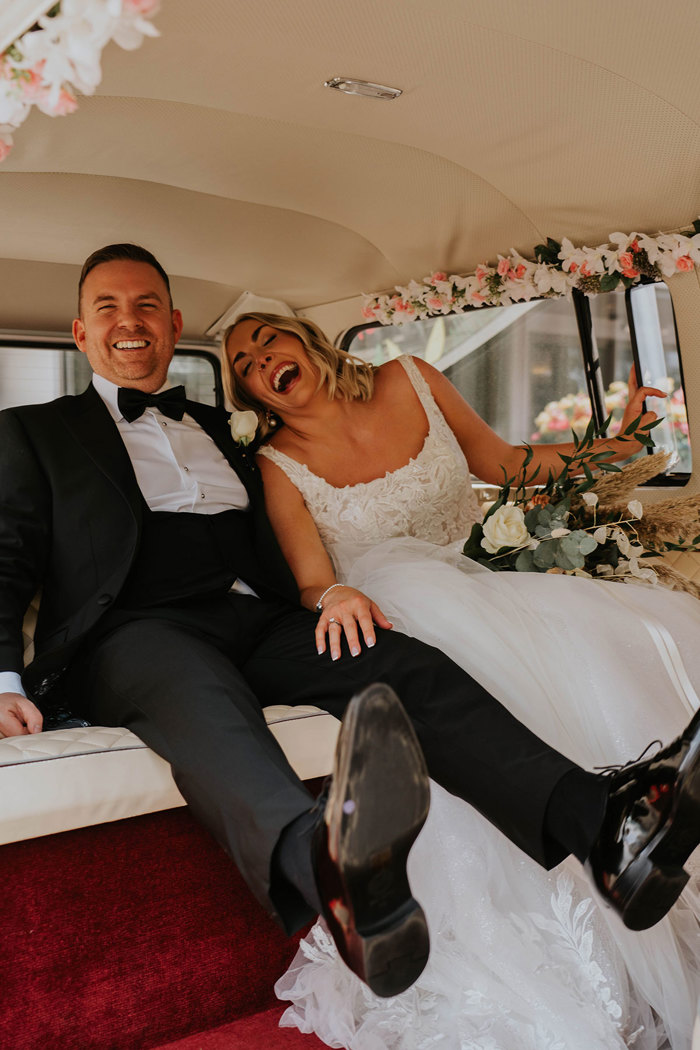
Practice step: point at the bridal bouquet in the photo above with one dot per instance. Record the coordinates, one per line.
(585, 520)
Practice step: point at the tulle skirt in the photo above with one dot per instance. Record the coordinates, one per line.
(522, 958)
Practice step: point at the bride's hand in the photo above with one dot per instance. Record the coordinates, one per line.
(635, 403)
(347, 610)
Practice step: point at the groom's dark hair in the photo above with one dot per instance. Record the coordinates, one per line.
(115, 253)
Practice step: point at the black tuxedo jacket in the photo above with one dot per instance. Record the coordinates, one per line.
(70, 523)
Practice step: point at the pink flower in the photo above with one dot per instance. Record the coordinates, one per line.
(479, 298)
(65, 103)
(5, 148)
(503, 267)
(435, 303)
(146, 8)
(685, 263)
(585, 272)
(368, 312)
(438, 276)
(573, 267)
(33, 81)
(634, 245)
(626, 261)
(480, 273)
(630, 273)
(520, 272)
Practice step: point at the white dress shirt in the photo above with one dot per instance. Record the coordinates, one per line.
(177, 466)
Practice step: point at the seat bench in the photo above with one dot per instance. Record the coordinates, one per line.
(71, 778)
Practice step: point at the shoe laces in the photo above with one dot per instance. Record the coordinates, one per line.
(607, 771)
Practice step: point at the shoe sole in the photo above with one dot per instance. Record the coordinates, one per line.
(380, 929)
(654, 880)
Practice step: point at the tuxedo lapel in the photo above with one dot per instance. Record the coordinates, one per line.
(90, 423)
(215, 421)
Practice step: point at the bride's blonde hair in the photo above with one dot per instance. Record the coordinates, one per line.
(343, 374)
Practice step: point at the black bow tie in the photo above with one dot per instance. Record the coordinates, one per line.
(133, 403)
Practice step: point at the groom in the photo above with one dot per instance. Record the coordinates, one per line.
(167, 607)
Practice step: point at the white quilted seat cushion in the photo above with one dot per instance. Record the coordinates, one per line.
(73, 778)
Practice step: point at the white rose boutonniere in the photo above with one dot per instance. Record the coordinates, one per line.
(243, 426)
(505, 528)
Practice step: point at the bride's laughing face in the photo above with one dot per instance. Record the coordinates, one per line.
(270, 365)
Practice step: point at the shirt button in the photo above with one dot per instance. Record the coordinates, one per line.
(186, 468)
(163, 423)
(202, 495)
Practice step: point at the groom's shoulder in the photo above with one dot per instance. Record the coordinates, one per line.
(44, 411)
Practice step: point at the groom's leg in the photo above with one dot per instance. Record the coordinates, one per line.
(473, 746)
(187, 701)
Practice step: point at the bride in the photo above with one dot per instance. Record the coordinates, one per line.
(368, 489)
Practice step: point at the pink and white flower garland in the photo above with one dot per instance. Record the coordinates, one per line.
(557, 269)
(61, 55)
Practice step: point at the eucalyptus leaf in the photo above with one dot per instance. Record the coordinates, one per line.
(564, 560)
(524, 562)
(544, 555)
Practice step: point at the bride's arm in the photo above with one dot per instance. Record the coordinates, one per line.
(489, 455)
(345, 609)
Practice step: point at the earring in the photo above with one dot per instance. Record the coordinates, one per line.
(270, 419)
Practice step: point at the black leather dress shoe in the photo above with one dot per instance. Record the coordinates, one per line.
(377, 803)
(650, 828)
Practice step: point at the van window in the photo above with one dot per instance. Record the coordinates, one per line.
(34, 373)
(524, 369)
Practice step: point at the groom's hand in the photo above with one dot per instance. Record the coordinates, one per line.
(18, 715)
(349, 612)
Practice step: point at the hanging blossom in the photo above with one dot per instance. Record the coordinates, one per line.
(60, 56)
(556, 270)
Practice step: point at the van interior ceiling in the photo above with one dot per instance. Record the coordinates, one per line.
(218, 146)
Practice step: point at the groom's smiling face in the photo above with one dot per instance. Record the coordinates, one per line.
(127, 327)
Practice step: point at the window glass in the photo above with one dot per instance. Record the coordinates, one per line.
(660, 365)
(521, 367)
(31, 375)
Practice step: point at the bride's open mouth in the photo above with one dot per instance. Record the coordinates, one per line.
(284, 376)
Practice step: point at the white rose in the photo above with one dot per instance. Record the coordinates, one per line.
(505, 528)
(243, 426)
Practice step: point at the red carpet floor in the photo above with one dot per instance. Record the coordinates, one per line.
(258, 1032)
(133, 935)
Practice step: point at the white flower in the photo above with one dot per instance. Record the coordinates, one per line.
(505, 528)
(243, 426)
(589, 498)
(635, 508)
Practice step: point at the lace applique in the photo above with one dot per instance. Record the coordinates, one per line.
(568, 944)
(430, 498)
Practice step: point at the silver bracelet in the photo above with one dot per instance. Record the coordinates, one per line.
(319, 603)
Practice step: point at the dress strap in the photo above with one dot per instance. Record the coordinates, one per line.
(295, 471)
(425, 394)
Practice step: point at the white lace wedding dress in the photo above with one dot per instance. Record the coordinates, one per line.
(521, 959)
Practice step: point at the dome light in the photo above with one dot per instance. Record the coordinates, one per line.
(362, 87)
